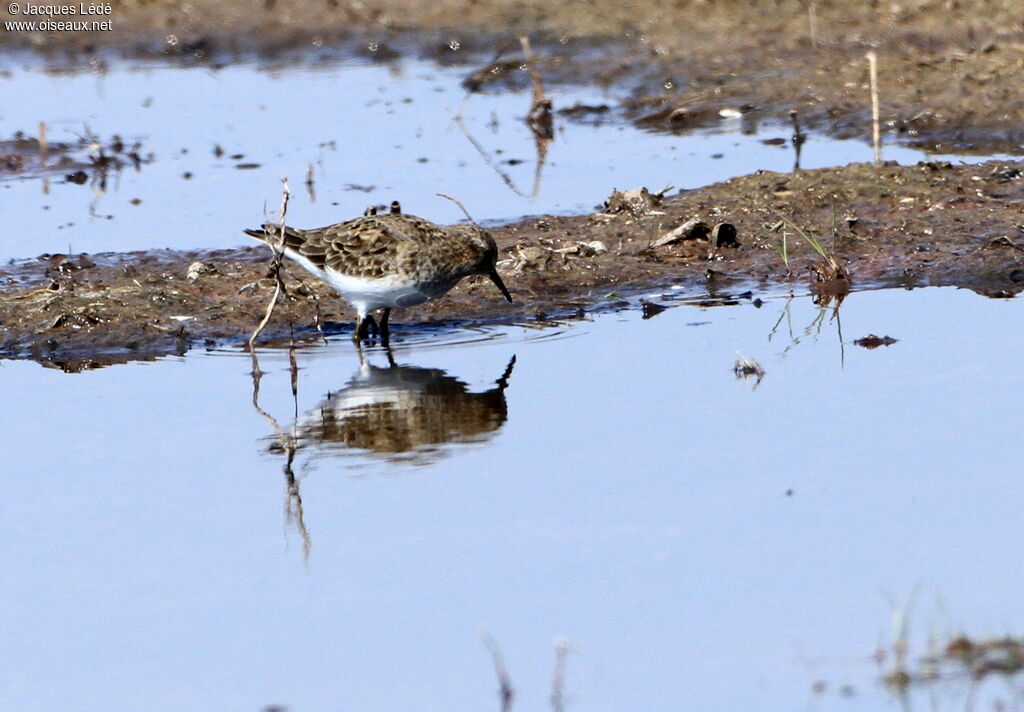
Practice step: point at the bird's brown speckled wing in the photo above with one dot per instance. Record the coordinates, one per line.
(373, 246)
(370, 246)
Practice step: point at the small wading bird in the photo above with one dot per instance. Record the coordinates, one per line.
(388, 261)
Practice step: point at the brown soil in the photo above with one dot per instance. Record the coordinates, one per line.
(948, 69)
(930, 224)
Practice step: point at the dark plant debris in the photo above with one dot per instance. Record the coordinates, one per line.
(873, 342)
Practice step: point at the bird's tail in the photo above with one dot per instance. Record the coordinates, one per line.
(268, 232)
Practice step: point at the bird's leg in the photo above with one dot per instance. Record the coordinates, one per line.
(364, 324)
(384, 330)
(391, 356)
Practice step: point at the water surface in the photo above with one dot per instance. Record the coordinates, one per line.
(704, 543)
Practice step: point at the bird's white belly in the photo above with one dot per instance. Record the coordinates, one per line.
(368, 294)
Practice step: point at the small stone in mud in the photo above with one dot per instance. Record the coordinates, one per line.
(637, 202)
(197, 269)
(651, 309)
(724, 235)
(873, 342)
(135, 201)
(592, 248)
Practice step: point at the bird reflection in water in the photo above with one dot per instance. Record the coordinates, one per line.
(404, 414)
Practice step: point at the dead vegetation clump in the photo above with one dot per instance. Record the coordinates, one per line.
(87, 157)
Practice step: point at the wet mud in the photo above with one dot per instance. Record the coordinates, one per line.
(945, 75)
(874, 226)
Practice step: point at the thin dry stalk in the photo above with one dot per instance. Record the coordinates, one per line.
(812, 17)
(275, 266)
(876, 134)
(459, 203)
(44, 145)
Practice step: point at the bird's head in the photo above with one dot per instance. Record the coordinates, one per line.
(483, 250)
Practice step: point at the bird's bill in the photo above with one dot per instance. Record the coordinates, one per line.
(496, 278)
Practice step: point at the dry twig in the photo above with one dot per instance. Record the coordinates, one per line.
(275, 266)
(876, 134)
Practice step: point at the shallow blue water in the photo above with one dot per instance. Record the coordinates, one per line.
(704, 544)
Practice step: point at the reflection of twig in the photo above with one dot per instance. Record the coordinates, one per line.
(489, 160)
(275, 266)
(293, 506)
(539, 120)
(839, 332)
(293, 370)
(799, 137)
(287, 442)
(558, 677)
(814, 327)
(784, 314)
(505, 691)
(310, 187)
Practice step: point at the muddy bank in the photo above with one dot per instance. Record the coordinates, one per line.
(947, 68)
(885, 226)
